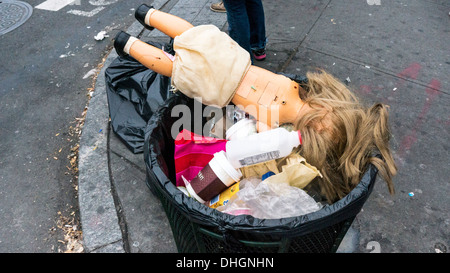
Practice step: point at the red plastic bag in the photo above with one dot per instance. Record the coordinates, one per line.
(192, 153)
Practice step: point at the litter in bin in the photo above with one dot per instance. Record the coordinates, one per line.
(240, 129)
(260, 169)
(267, 174)
(206, 171)
(262, 147)
(192, 153)
(295, 171)
(266, 200)
(223, 198)
(235, 114)
(213, 179)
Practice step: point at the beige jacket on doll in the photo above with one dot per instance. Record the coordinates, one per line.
(208, 65)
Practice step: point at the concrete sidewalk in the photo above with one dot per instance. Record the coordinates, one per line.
(395, 52)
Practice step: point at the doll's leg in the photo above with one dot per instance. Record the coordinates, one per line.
(168, 24)
(148, 55)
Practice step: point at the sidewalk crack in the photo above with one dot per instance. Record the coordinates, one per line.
(283, 67)
(120, 215)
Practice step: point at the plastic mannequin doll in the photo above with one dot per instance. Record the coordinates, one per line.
(274, 97)
(340, 135)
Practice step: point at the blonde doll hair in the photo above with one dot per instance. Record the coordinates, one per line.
(341, 136)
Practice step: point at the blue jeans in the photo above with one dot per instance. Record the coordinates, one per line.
(246, 23)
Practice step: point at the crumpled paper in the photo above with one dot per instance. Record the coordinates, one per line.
(295, 172)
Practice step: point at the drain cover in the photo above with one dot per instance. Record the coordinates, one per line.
(13, 14)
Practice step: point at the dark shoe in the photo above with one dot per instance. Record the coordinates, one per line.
(259, 54)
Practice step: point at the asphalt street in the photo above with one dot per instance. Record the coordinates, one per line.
(47, 66)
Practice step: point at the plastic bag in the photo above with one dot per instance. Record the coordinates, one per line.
(192, 153)
(134, 93)
(265, 200)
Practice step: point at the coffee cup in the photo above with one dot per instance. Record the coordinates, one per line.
(213, 179)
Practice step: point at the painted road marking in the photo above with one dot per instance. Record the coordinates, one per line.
(54, 5)
(86, 13)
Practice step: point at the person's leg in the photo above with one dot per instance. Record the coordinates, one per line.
(238, 24)
(255, 12)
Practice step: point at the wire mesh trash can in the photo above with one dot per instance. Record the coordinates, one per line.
(198, 228)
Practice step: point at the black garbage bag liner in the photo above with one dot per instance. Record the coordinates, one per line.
(158, 156)
(134, 93)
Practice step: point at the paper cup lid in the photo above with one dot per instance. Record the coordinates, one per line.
(220, 162)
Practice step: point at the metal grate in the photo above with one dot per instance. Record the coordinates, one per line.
(13, 14)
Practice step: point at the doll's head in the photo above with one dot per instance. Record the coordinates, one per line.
(341, 136)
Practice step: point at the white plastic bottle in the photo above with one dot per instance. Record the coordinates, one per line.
(261, 147)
